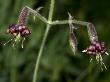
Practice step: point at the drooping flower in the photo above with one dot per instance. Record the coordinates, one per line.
(96, 48)
(19, 30)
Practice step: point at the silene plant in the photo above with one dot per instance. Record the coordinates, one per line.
(20, 31)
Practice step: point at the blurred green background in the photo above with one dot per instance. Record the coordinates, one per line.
(58, 63)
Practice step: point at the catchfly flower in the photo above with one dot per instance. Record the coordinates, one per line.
(19, 30)
(96, 49)
(15, 30)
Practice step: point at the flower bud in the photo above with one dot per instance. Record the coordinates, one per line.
(25, 32)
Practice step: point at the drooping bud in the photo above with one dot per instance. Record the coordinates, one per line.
(73, 39)
(73, 42)
(13, 29)
(25, 32)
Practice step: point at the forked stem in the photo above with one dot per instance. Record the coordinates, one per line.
(27, 10)
(35, 76)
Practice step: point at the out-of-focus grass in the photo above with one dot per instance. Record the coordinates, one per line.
(58, 63)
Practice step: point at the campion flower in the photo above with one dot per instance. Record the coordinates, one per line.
(19, 30)
(96, 48)
(15, 30)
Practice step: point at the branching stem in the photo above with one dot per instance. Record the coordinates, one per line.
(35, 76)
(56, 22)
(49, 23)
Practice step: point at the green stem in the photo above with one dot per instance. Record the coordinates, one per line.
(40, 54)
(37, 14)
(51, 10)
(58, 22)
(35, 76)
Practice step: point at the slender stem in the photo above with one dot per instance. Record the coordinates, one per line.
(51, 10)
(57, 22)
(37, 14)
(35, 76)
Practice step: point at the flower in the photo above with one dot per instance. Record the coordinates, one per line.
(97, 49)
(15, 29)
(19, 31)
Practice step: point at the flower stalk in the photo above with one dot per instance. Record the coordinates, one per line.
(51, 10)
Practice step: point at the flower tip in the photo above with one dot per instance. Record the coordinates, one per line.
(7, 31)
(106, 53)
(38, 9)
(84, 51)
